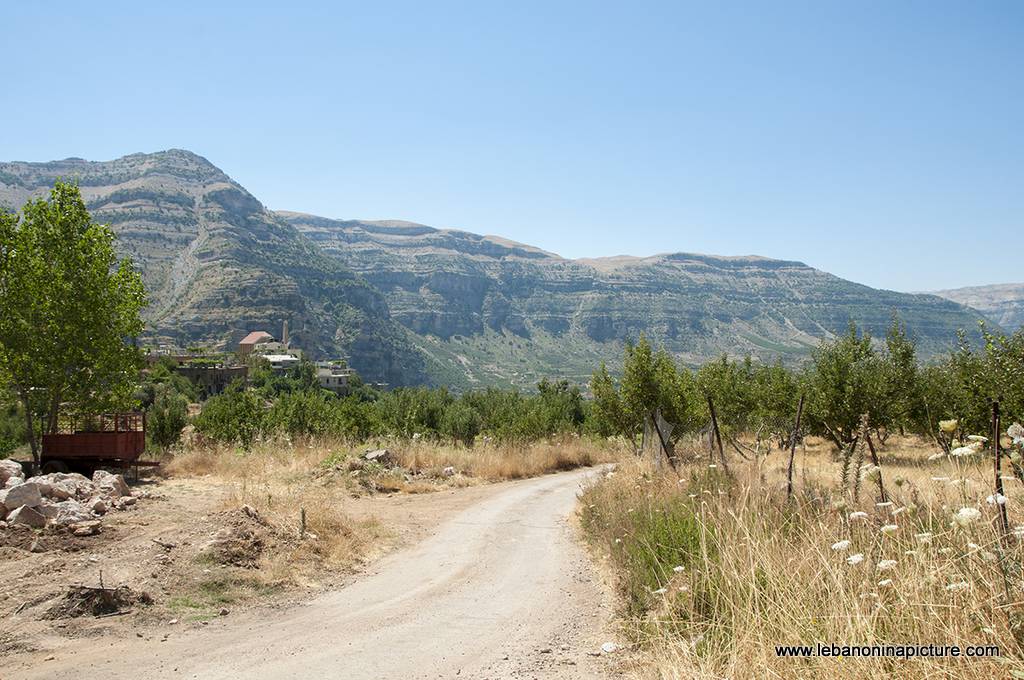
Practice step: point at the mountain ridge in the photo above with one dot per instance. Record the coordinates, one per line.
(216, 263)
(1003, 303)
(409, 303)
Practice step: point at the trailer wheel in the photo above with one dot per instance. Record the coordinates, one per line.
(54, 466)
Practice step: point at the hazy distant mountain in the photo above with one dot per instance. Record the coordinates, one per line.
(1003, 303)
(408, 303)
(217, 264)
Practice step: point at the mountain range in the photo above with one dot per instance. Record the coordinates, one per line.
(1003, 303)
(409, 304)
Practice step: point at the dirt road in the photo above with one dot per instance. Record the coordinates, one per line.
(501, 590)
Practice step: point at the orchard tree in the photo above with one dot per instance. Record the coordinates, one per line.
(901, 376)
(846, 381)
(69, 311)
(650, 381)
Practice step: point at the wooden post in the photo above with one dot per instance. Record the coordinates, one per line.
(661, 440)
(874, 461)
(718, 435)
(997, 455)
(792, 447)
(302, 522)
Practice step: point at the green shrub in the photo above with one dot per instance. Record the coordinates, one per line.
(167, 416)
(460, 423)
(236, 415)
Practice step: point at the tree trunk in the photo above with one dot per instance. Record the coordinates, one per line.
(792, 447)
(1004, 520)
(33, 443)
(51, 417)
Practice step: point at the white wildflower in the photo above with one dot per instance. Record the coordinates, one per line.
(966, 516)
(958, 586)
(936, 456)
(924, 538)
(855, 559)
(988, 556)
(977, 438)
(858, 515)
(678, 569)
(885, 583)
(870, 473)
(712, 465)
(948, 426)
(886, 565)
(940, 479)
(841, 545)
(884, 504)
(996, 499)
(889, 529)
(659, 591)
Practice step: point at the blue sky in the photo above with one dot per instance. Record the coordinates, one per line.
(880, 141)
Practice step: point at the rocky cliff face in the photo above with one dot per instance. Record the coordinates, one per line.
(217, 264)
(1002, 303)
(408, 303)
(508, 312)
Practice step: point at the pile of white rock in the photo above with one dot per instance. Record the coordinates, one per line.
(65, 499)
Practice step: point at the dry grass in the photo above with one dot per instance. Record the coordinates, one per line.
(496, 463)
(422, 461)
(759, 571)
(279, 478)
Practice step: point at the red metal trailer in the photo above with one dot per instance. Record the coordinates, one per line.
(86, 442)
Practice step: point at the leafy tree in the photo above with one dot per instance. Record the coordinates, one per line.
(68, 309)
(163, 374)
(963, 385)
(777, 394)
(608, 413)
(301, 414)
(650, 381)
(166, 416)
(731, 386)
(460, 423)
(235, 415)
(12, 424)
(901, 376)
(847, 380)
(410, 410)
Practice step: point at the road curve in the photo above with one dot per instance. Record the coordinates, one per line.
(502, 590)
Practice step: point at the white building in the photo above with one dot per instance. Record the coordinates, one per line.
(281, 362)
(334, 376)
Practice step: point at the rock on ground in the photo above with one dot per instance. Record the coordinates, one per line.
(381, 456)
(23, 494)
(27, 516)
(10, 468)
(110, 484)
